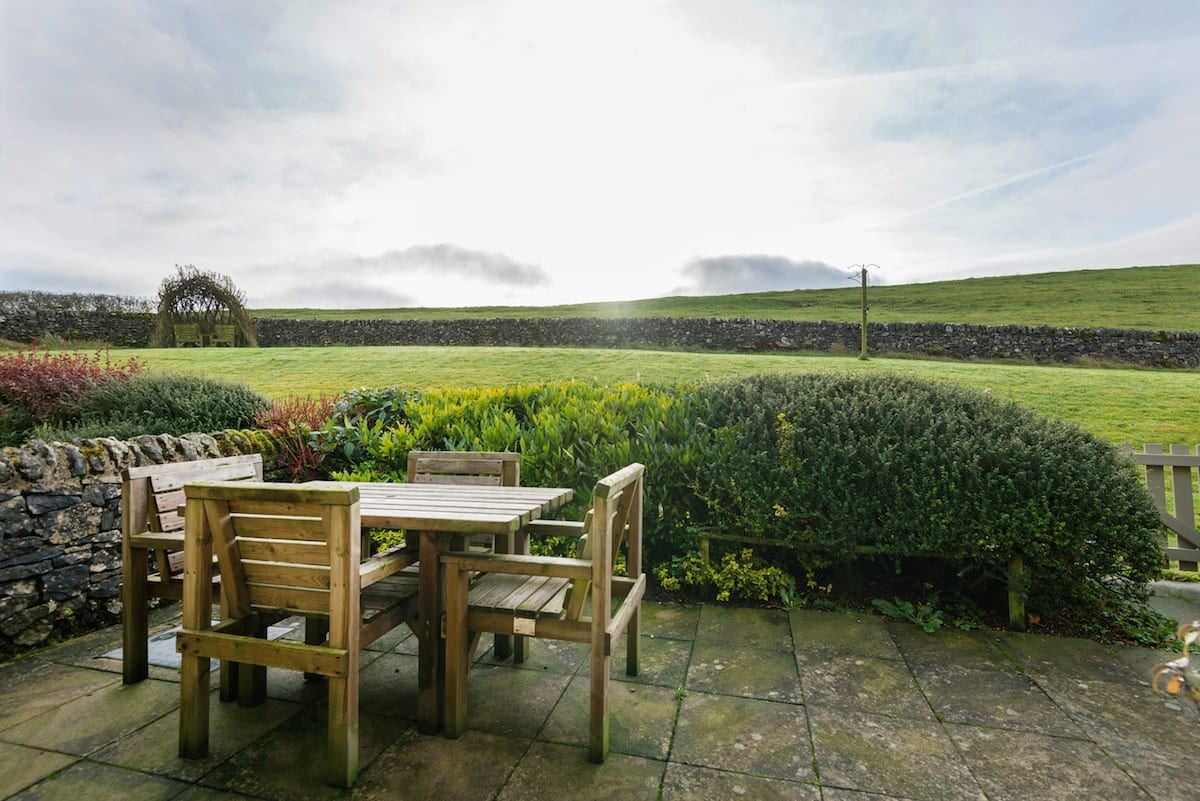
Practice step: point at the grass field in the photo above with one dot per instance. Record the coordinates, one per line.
(1157, 298)
(1122, 405)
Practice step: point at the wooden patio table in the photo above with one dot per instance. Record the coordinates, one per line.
(443, 516)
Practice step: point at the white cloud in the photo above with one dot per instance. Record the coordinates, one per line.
(606, 144)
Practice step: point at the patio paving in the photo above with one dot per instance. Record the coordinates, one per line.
(733, 703)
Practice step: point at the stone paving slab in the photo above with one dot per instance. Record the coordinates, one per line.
(749, 672)
(863, 710)
(861, 683)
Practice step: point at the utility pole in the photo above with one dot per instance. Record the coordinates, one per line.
(859, 272)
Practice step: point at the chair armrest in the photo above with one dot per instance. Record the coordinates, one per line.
(556, 566)
(555, 528)
(384, 564)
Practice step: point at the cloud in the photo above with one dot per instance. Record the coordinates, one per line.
(449, 261)
(720, 275)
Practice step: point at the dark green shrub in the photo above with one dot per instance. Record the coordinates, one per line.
(162, 404)
(846, 464)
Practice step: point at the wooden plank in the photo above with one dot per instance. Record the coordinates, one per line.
(555, 528)
(170, 521)
(425, 478)
(1183, 554)
(293, 551)
(278, 528)
(147, 470)
(167, 482)
(429, 616)
(499, 505)
(383, 565)
(625, 612)
(329, 494)
(153, 540)
(1166, 459)
(490, 589)
(1185, 509)
(549, 627)
(168, 502)
(500, 456)
(600, 538)
(540, 601)
(281, 574)
(458, 465)
(279, 509)
(475, 523)
(512, 601)
(345, 620)
(457, 658)
(135, 569)
(1156, 479)
(291, 599)
(521, 564)
(318, 659)
(633, 566)
(197, 613)
(224, 544)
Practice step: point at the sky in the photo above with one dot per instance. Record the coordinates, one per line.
(372, 154)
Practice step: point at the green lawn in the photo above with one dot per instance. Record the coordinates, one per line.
(1157, 298)
(1118, 404)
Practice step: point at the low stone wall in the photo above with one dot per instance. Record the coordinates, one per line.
(60, 527)
(1038, 344)
(1027, 343)
(123, 329)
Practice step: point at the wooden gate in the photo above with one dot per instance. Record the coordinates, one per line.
(1178, 515)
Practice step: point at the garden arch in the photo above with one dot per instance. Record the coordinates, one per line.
(207, 300)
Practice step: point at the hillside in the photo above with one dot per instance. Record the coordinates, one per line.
(1158, 298)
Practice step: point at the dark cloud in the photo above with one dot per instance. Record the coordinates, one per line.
(758, 273)
(449, 261)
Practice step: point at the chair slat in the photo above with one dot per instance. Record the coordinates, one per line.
(174, 481)
(439, 478)
(309, 577)
(279, 528)
(294, 551)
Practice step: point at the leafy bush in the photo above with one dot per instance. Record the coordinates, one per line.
(292, 423)
(34, 301)
(847, 464)
(36, 388)
(832, 466)
(161, 404)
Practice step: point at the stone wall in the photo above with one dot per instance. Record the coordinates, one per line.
(1038, 344)
(124, 329)
(60, 527)
(1027, 343)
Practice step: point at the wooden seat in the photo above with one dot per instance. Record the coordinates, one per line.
(188, 334)
(283, 550)
(475, 468)
(150, 523)
(542, 596)
(223, 335)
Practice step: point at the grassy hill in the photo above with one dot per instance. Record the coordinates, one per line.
(1122, 405)
(1158, 298)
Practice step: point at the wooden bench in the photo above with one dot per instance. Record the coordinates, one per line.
(284, 550)
(188, 334)
(150, 523)
(542, 596)
(223, 336)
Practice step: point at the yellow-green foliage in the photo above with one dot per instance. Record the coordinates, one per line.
(741, 575)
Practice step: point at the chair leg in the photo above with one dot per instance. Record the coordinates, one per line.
(502, 643)
(343, 731)
(193, 711)
(135, 616)
(520, 649)
(252, 679)
(316, 632)
(229, 670)
(457, 653)
(633, 643)
(598, 708)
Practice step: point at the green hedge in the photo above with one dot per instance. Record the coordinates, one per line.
(159, 404)
(831, 465)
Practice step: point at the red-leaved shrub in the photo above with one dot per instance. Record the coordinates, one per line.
(292, 422)
(39, 385)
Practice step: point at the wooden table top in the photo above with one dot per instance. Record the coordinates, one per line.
(456, 508)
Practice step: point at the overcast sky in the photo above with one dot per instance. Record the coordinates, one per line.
(449, 153)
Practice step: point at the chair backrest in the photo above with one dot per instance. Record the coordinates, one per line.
(486, 468)
(281, 547)
(188, 333)
(224, 335)
(615, 516)
(152, 494)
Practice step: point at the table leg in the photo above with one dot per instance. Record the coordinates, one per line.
(429, 613)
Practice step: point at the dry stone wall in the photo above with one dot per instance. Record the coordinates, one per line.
(1045, 344)
(60, 527)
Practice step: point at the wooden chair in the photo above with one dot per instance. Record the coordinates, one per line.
(541, 596)
(477, 468)
(283, 550)
(150, 497)
(188, 334)
(224, 335)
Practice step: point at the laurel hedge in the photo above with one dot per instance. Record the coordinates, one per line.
(831, 465)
